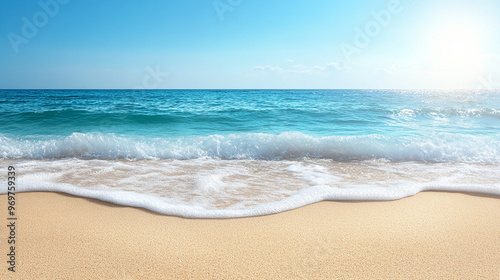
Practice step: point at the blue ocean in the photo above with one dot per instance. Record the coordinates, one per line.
(239, 153)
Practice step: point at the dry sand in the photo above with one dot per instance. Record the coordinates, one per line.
(432, 235)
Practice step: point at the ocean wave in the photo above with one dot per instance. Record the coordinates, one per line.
(442, 147)
(448, 112)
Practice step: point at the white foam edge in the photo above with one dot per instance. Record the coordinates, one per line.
(302, 198)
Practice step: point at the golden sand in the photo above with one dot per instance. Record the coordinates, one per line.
(433, 235)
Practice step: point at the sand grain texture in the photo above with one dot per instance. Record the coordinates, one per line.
(433, 235)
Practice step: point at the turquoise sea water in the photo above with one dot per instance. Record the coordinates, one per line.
(231, 153)
(173, 113)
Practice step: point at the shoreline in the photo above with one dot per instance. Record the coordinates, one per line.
(429, 235)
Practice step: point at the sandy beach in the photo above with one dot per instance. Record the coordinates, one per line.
(433, 235)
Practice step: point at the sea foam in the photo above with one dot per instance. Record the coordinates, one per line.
(211, 188)
(439, 147)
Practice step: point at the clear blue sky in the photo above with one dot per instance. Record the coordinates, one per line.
(249, 44)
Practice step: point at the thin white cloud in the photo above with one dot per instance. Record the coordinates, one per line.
(269, 68)
(300, 68)
(332, 66)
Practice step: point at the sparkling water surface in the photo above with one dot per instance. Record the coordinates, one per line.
(238, 153)
(173, 113)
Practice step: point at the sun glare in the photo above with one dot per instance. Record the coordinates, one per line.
(457, 54)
